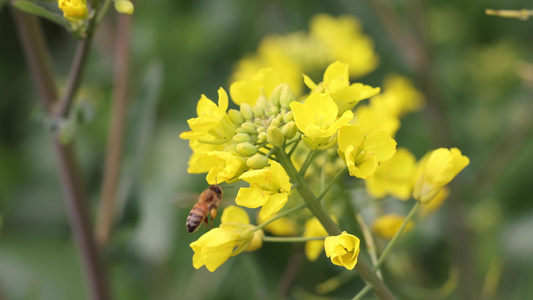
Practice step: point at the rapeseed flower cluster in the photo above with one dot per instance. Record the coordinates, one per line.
(286, 145)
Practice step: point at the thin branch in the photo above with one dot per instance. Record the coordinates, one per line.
(74, 78)
(32, 41)
(115, 140)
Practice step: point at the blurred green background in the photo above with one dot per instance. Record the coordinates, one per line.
(476, 72)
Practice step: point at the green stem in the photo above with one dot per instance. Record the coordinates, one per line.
(280, 215)
(379, 287)
(362, 293)
(294, 147)
(370, 246)
(308, 160)
(101, 12)
(330, 184)
(320, 213)
(296, 239)
(396, 236)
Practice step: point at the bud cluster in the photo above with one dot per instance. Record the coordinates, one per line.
(269, 121)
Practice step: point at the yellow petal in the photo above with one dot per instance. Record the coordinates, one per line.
(251, 197)
(274, 203)
(380, 144)
(234, 214)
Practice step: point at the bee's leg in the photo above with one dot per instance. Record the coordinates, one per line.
(205, 221)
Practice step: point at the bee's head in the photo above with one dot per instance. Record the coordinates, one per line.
(217, 189)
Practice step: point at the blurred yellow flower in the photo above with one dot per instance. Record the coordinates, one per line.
(73, 10)
(435, 170)
(399, 98)
(371, 118)
(124, 7)
(436, 203)
(317, 119)
(394, 176)
(362, 152)
(387, 225)
(234, 235)
(281, 227)
(248, 91)
(314, 228)
(337, 84)
(342, 249)
(345, 41)
(269, 188)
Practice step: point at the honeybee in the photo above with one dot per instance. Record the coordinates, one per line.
(208, 202)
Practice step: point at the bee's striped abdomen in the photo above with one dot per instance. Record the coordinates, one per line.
(197, 215)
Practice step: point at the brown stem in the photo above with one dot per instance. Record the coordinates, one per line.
(32, 40)
(115, 141)
(290, 272)
(74, 78)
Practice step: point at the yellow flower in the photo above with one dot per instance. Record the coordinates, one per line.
(336, 83)
(269, 188)
(210, 115)
(399, 98)
(314, 228)
(362, 153)
(345, 41)
(342, 249)
(317, 119)
(281, 227)
(394, 176)
(436, 203)
(73, 10)
(386, 226)
(234, 235)
(124, 7)
(435, 170)
(224, 166)
(248, 91)
(235, 217)
(371, 118)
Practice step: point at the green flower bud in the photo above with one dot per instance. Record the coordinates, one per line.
(275, 95)
(247, 111)
(241, 138)
(260, 129)
(258, 122)
(248, 127)
(289, 130)
(260, 106)
(286, 96)
(288, 117)
(235, 116)
(257, 161)
(240, 130)
(274, 110)
(277, 121)
(262, 137)
(246, 149)
(275, 136)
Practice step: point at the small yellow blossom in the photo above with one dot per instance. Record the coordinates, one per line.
(281, 227)
(224, 166)
(362, 152)
(394, 176)
(269, 188)
(248, 91)
(73, 10)
(317, 119)
(387, 225)
(124, 7)
(435, 170)
(343, 249)
(234, 235)
(336, 83)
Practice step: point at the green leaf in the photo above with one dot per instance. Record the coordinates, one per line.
(35, 9)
